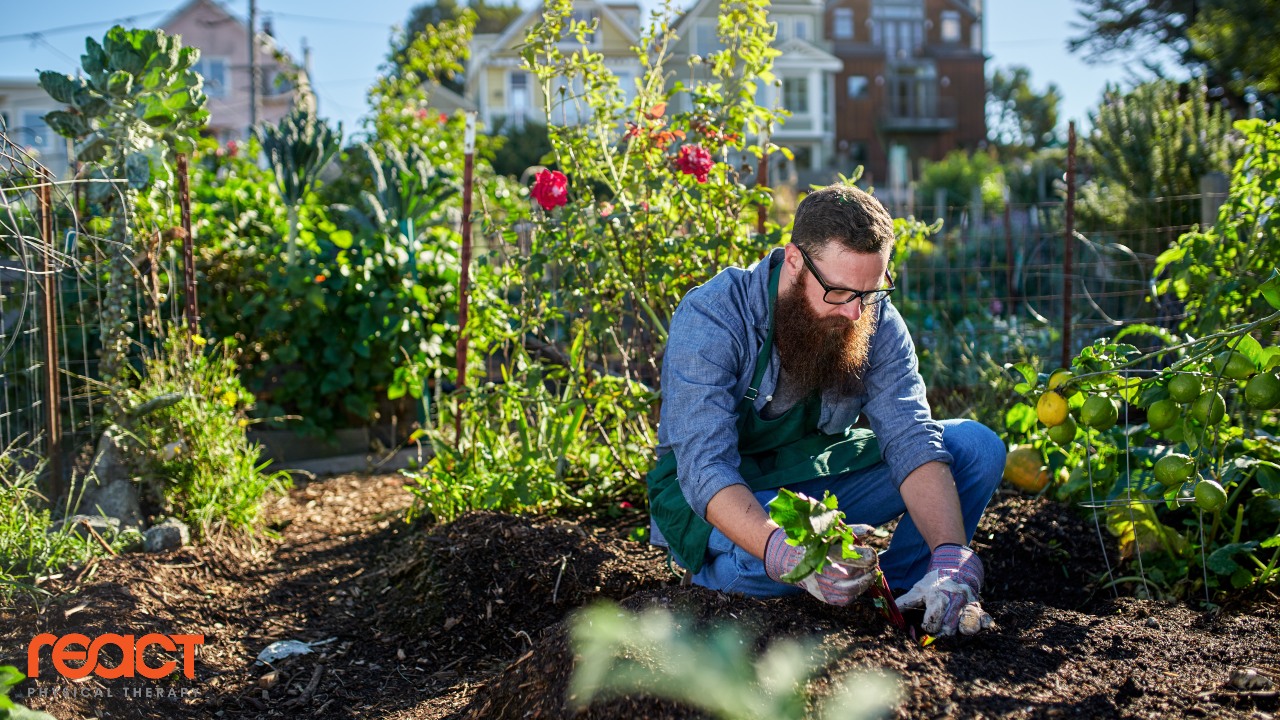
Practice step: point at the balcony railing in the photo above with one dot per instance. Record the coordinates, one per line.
(918, 112)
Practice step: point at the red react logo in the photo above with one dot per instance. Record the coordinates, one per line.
(77, 648)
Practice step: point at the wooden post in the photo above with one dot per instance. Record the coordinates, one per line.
(52, 399)
(762, 179)
(188, 247)
(464, 276)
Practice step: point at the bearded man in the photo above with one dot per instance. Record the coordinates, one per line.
(765, 373)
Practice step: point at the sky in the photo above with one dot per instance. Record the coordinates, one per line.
(349, 42)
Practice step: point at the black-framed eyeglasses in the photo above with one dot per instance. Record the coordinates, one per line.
(841, 296)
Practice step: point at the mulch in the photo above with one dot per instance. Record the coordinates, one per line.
(470, 620)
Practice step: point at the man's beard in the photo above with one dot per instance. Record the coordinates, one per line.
(823, 353)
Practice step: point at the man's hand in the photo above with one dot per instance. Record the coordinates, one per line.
(949, 593)
(840, 580)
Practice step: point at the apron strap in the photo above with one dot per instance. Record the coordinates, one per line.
(766, 352)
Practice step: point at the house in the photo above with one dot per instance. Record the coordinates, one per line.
(23, 105)
(913, 86)
(507, 95)
(223, 40)
(806, 73)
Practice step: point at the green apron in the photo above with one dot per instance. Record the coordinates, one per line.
(785, 450)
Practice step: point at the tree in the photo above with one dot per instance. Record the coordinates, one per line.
(1147, 146)
(1227, 42)
(489, 18)
(1021, 120)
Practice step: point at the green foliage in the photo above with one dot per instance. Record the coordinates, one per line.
(297, 150)
(816, 526)
(187, 421)
(30, 546)
(427, 17)
(322, 338)
(959, 174)
(1021, 120)
(136, 101)
(1153, 142)
(620, 653)
(9, 710)
(1220, 272)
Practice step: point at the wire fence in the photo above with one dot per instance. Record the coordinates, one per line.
(53, 272)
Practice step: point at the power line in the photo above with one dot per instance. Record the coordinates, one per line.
(37, 34)
(342, 21)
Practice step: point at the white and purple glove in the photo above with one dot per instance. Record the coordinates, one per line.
(949, 593)
(839, 581)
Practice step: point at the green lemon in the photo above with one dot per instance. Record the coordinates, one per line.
(1174, 469)
(1184, 388)
(1210, 496)
(1163, 414)
(1099, 413)
(1263, 391)
(1209, 408)
(1234, 365)
(1051, 409)
(1065, 433)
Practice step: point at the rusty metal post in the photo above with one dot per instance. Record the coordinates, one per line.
(464, 276)
(188, 247)
(52, 399)
(762, 180)
(1068, 244)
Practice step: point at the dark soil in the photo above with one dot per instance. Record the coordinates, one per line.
(467, 621)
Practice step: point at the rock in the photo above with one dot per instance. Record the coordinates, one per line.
(106, 527)
(168, 535)
(111, 491)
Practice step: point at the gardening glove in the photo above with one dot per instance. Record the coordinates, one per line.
(949, 593)
(839, 581)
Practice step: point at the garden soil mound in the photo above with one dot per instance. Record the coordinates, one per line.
(467, 620)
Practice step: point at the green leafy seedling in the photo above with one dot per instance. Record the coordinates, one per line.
(815, 525)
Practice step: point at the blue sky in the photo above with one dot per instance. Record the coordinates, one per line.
(349, 41)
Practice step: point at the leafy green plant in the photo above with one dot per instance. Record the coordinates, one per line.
(187, 421)
(298, 149)
(30, 544)
(10, 710)
(814, 525)
(137, 100)
(620, 653)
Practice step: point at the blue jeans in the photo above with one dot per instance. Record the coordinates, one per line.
(870, 497)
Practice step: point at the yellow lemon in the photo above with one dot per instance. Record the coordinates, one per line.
(1058, 377)
(1051, 409)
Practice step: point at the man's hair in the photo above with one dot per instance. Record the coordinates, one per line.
(844, 214)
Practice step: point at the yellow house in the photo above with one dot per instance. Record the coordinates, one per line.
(507, 95)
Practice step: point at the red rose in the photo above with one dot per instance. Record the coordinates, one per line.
(551, 189)
(694, 160)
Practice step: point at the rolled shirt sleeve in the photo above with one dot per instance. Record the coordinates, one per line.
(896, 405)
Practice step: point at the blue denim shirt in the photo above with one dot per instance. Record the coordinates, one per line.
(717, 332)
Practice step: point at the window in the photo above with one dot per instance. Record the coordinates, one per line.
(950, 26)
(705, 39)
(214, 72)
(795, 95)
(801, 31)
(843, 20)
(518, 97)
(34, 133)
(857, 87)
(898, 25)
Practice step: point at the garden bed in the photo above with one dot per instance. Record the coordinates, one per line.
(464, 620)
